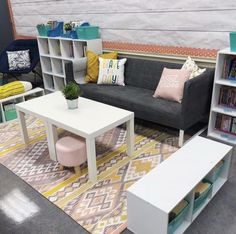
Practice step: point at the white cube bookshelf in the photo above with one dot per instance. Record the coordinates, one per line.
(151, 199)
(54, 51)
(216, 108)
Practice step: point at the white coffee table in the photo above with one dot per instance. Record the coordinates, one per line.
(90, 120)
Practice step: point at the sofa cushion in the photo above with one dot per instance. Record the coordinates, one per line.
(145, 73)
(138, 100)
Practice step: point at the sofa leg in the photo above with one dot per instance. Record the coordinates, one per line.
(181, 138)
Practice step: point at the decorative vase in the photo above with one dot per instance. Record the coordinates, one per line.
(72, 104)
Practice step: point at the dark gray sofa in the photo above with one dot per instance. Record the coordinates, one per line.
(141, 79)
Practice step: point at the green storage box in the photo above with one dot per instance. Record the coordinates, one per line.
(10, 114)
(87, 32)
(232, 39)
(217, 172)
(198, 202)
(43, 30)
(176, 222)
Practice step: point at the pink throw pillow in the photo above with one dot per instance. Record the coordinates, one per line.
(171, 84)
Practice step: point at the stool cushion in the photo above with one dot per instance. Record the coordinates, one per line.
(71, 151)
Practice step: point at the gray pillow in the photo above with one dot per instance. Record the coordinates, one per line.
(18, 60)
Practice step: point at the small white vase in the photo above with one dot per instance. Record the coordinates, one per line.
(72, 104)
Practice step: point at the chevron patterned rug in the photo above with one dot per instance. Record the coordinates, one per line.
(100, 207)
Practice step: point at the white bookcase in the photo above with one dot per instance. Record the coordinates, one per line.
(19, 98)
(151, 199)
(54, 51)
(216, 108)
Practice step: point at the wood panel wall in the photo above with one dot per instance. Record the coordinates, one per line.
(185, 23)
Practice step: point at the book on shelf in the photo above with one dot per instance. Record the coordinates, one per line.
(232, 71)
(227, 97)
(229, 68)
(225, 123)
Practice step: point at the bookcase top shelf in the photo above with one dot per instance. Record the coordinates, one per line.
(226, 51)
(68, 39)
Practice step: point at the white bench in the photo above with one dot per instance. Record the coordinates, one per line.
(152, 198)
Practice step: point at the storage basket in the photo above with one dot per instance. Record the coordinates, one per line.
(232, 39)
(72, 34)
(43, 30)
(198, 202)
(87, 32)
(176, 222)
(10, 114)
(217, 172)
(57, 31)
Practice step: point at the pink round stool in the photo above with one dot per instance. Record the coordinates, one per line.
(71, 152)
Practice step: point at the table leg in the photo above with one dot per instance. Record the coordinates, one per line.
(130, 136)
(23, 128)
(52, 138)
(91, 158)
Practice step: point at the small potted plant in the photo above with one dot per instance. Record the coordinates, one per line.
(68, 27)
(71, 93)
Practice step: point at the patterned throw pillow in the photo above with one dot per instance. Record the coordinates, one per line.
(191, 66)
(18, 60)
(111, 71)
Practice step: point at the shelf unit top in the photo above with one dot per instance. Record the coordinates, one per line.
(227, 51)
(67, 39)
(172, 180)
(32, 91)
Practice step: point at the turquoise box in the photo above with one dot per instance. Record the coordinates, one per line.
(232, 39)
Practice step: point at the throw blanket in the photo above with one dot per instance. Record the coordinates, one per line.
(14, 88)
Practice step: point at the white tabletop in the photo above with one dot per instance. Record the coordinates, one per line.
(169, 183)
(88, 120)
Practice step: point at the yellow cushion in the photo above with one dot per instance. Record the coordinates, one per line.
(11, 89)
(93, 64)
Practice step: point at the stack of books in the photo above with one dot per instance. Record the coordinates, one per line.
(227, 97)
(225, 123)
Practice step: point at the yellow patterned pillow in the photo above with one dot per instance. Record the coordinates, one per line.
(93, 64)
(11, 89)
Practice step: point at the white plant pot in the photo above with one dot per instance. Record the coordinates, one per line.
(72, 104)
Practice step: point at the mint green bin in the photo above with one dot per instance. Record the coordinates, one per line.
(232, 39)
(10, 114)
(87, 32)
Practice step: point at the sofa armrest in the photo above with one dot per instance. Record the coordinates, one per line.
(197, 98)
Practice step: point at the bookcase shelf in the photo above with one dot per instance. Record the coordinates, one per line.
(221, 83)
(54, 51)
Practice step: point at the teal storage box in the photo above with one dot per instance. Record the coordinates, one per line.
(10, 114)
(43, 30)
(176, 222)
(87, 32)
(198, 202)
(217, 171)
(232, 39)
